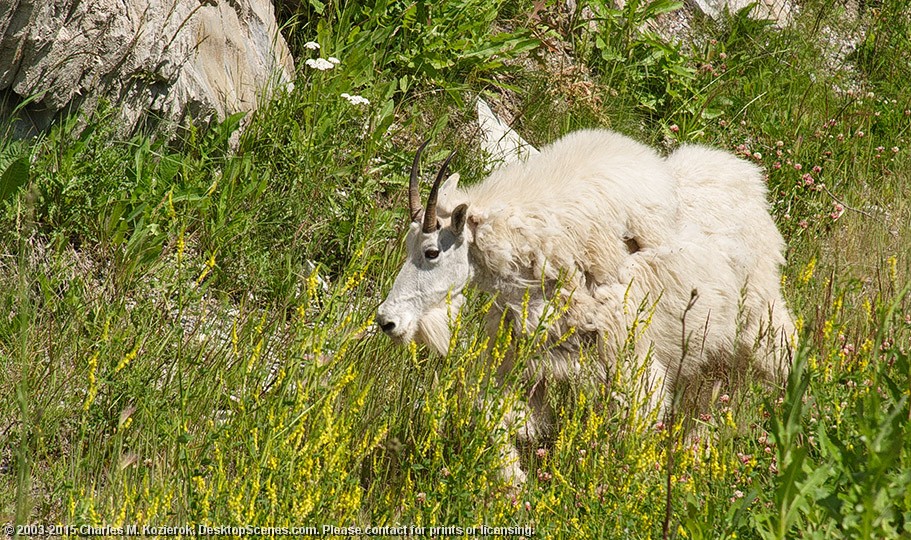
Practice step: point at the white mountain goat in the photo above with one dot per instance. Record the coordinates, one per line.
(604, 224)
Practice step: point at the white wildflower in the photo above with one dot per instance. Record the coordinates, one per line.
(334, 60)
(320, 63)
(356, 100)
(312, 45)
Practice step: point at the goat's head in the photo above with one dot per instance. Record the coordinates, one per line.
(428, 289)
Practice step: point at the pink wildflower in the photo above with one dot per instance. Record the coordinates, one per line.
(837, 211)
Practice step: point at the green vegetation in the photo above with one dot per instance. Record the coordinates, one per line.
(186, 326)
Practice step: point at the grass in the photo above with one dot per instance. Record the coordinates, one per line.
(187, 335)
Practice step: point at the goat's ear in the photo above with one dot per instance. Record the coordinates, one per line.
(447, 195)
(459, 216)
(450, 184)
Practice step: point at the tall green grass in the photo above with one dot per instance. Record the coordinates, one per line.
(187, 337)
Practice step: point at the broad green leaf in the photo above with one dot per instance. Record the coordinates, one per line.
(14, 177)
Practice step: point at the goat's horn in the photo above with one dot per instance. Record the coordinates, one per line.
(414, 190)
(430, 214)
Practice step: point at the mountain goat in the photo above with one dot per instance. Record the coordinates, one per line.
(604, 224)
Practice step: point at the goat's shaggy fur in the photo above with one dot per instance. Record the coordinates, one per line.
(697, 219)
(607, 225)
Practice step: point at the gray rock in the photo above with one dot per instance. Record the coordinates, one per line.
(158, 61)
(677, 23)
(778, 11)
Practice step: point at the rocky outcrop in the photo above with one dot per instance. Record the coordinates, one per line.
(778, 11)
(677, 23)
(155, 60)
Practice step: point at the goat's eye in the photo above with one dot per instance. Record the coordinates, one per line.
(431, 254)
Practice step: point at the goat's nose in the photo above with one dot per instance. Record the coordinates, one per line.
(386, 324)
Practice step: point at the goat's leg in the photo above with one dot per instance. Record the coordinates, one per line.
(529, 420)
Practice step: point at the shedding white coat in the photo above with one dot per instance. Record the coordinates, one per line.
(606, 225)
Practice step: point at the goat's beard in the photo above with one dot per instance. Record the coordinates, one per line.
(434, 328)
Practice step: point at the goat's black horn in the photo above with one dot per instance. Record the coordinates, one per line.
(430, 214)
